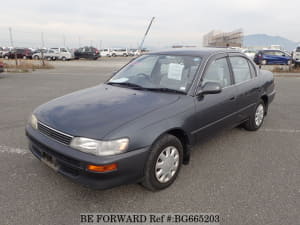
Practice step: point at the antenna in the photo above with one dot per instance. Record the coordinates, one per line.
(147, 31)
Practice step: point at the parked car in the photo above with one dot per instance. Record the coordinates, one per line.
(140, 125)
(63, 54)
(22, 53)
(133, 52)
(49, 54)
(250, 53)
(106, 52)
(1, 67)
(87, 53)
(296, 56)
(120, 52)
(1, 51)
(4, 50)
(272, 57)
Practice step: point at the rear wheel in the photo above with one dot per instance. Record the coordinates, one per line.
(257, 118)
(36, 57)
(264, 62)
(63, 58)
(164, 163)
(6, 57)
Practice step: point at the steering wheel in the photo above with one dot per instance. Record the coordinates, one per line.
(144, 76)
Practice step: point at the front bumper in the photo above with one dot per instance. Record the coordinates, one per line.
(72, 163)
(297, 60)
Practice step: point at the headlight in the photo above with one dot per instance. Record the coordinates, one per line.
(100, 148)
(33, 122)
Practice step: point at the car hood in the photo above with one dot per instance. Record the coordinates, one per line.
(97, 111)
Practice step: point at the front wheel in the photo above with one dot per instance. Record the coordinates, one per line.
(164, 163)
(257, 118)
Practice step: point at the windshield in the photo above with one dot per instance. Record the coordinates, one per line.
(159, 72)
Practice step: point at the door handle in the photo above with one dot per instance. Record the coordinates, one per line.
(232, 98)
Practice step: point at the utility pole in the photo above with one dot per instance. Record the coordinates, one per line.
(147, 31)
(12, 44)
(42, 50)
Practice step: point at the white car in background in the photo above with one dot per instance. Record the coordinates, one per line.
(120, 52)
(49, 54)
(249, 52)
(105, 52)
(296, 56)
(63, 54)
(134, 52)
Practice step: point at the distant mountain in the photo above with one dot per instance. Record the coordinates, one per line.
(263, 40)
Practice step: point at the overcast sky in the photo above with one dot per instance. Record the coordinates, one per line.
(121, 23)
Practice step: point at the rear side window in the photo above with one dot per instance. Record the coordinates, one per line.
(269, 53)
(240, 68)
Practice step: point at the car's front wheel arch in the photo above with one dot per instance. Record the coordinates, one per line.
(183, 137)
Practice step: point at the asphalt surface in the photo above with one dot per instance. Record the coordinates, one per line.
(247, 177)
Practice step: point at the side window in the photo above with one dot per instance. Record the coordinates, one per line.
(218, 71)
(241, 69)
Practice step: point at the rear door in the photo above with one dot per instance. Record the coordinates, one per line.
(246, 83)
(216, 111)
(270, 56)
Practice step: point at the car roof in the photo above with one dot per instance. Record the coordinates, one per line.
(194, 52)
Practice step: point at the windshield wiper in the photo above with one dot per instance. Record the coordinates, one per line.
(127, 84)
(166, 90)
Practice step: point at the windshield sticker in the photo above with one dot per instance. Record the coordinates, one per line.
(175, 71)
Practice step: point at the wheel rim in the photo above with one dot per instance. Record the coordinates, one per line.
(259, 115)
(167, 164)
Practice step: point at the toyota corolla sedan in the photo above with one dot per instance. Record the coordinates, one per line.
(141, 124)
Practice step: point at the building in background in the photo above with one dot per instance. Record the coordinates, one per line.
(223, 39)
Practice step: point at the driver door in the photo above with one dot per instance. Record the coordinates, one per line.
(215, 111)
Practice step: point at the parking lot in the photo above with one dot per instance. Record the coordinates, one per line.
(247, 177)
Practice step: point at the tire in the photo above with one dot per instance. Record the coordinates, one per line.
(24, 57)
(257, 118)
(165, 145)
(36, 57)
(64, 58)
(6, 57)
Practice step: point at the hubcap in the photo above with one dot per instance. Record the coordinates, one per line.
(167, 164)
(259, 115)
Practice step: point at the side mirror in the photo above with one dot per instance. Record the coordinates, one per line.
(209, 88)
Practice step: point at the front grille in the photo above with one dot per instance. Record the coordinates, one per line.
(55, 134)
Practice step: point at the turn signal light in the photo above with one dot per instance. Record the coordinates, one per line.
(103, 168)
